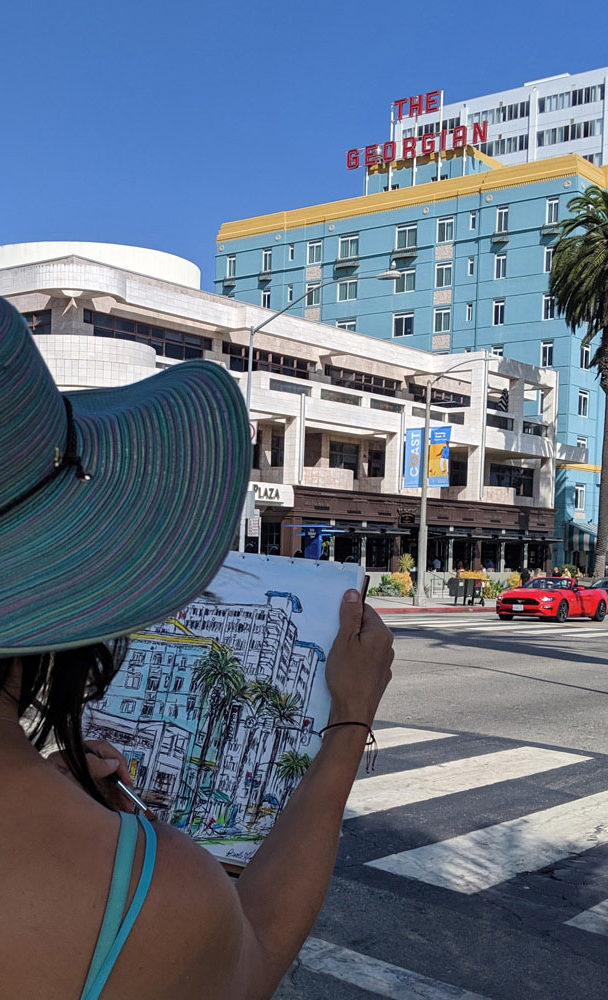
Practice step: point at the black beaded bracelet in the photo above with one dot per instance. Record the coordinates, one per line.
(371, 747)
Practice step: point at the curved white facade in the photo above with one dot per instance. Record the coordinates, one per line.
(138, 260)
(81, 362)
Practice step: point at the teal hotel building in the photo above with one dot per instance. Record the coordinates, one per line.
(470, 241)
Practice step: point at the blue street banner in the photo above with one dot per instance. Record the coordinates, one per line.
(439, 456)
(412, 459)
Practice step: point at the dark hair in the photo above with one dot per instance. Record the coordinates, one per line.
(57, 686)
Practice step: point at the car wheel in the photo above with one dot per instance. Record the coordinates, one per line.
(506, 618)
(562, 611)
(600, 612)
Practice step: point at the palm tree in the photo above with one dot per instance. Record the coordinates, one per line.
(218, 679)
(259, 695)
(290, 768)
(579, 282)
(283, 710)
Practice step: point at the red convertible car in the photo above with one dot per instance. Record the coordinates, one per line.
(556, 597)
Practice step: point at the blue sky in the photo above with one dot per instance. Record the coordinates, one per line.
(152, 123)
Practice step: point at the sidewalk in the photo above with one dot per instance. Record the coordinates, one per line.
(434, 605)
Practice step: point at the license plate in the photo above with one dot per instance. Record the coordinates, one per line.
(518, 607)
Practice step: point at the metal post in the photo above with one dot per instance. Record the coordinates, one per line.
(420, 600)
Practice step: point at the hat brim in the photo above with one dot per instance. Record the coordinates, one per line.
(87, 561)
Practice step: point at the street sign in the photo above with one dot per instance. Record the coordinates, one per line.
(253, 526)
(253, 430)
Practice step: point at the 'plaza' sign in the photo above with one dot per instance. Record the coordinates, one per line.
(413, 146)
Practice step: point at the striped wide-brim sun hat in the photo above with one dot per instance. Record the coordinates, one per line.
(117, 506)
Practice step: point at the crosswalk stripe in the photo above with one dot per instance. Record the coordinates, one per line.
(401, 736)
(475, 624)
(595, 919)
(485, 857)
(387, 791)
(380, 978)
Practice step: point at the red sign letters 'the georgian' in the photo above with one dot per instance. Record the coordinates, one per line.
(410, 147)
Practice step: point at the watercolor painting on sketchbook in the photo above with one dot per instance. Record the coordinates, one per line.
(216, 709)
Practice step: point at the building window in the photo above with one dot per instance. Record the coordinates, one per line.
(348, 246)
(548, 307)
(500, 265)
(403, 324)
(406, 282)
(266, 361)
(442, 321)
(347, 324)
(166, 342)
(313, 297)
(343, 455)
(546, 354)
(469, 312)
(471, 267)
(472, 220)
(40, 322)
(290, 293)
(552, 211)
(498, 350)
(291, 252)
(231, 265)
(498, 312)
(513, 477)
(585, 356)
(548, 259)
(579, 497)
(445, 229)
(375, 463)
(443, 275)
(313, 252)
(267, 259)
(502, 219)
(581, 442)
(266, 298)
(347, 290)
(363, 381)
(127, 706)
(406, 237)
(583, 403)
(277, 451)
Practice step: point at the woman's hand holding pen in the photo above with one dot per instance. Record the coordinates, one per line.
(106, 764)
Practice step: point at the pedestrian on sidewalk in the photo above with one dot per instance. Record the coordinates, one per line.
(117, 507)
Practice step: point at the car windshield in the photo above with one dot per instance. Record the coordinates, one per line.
(549, 583)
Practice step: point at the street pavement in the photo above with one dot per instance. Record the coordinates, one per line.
(474, 860)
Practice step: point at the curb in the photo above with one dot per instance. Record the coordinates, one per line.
(458, 609)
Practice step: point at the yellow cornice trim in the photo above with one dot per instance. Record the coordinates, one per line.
(385, 201)
(579, 466)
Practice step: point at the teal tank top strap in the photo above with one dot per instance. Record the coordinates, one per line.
(114, 930)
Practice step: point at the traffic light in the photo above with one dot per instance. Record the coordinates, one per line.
(503, 402)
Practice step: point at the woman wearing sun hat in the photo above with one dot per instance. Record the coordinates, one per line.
(117, 507)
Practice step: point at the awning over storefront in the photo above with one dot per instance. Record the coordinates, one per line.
(581, 536)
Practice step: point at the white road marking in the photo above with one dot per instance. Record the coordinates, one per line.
(402, 736)
(594, 919)
(380, 978)
(387, 791)
(471, 624)
(478, 860)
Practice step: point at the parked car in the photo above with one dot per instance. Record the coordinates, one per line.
(600, 584)
(555, 597)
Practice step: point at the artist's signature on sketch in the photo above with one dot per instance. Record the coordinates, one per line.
(240, 855)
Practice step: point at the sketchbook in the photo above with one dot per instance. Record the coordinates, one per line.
(217, 709)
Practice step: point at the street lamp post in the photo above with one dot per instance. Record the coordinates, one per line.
(423, 532)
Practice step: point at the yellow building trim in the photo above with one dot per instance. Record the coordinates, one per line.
(579, 466)
(386, 201)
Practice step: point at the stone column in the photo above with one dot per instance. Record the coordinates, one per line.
(392, 465)
(292, 451)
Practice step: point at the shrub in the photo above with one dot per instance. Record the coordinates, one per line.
(574, 570)
(493, 588)
(402, 580)
(472, 574)
(513, 580)
(406, 562)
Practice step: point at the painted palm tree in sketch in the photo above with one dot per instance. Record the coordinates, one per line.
(291, 766)
(217, 679)
(282, 712)
(260, 693)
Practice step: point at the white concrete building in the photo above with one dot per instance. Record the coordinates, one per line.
(331, 406)
(542, 118)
